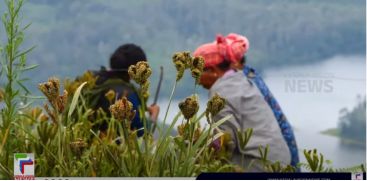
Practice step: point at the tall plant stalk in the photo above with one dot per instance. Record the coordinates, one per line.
(169, 102)
(13, 64)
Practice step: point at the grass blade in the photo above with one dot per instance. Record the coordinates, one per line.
(75, 99)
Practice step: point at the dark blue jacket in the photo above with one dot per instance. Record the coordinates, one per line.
(111, 80)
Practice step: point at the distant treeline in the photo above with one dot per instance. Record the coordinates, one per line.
(73, 36)
(352, 124)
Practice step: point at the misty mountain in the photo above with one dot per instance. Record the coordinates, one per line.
(73, 36)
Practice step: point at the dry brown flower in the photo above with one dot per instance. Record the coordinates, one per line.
(182, 61)
(189, 107)
(122, 110)
(214, 105)
(140, 72)
(197, 67)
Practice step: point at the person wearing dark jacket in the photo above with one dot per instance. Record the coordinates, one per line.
(118, 80)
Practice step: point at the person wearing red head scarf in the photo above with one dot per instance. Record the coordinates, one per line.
(238, 46)
(244, 101)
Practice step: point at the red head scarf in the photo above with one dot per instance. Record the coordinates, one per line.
(231, 48)
(237, 46)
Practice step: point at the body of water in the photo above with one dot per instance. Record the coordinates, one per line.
(311, 97)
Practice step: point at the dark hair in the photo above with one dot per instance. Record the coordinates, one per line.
(123, 57)
(243, 60)
(126, 55)
(224, 65)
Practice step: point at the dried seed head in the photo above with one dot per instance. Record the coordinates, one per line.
(110, 96)
(122, 109)
(62, 101)
(197, 63)
(55, 85)
(143, 70)
(214, 105)
(58, 102)
(89, 77)
(145, 87)
(72, 85)
(197, 67)
(189, 107)
(132, 71)
(140, 72)
(196, 74)
(183, 57)
(50, 88)
(182, 61)
(197, 134)
(180, 70)
(144, 90)
(181, 129)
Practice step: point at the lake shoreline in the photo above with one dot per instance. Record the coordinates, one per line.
(335, 132)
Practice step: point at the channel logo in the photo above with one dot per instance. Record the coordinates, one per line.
(24, 166)
(357, 176)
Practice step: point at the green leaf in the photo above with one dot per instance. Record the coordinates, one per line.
(321, 163)
(75, 99)
(18, 41)
(30, 67)
(206, 133)
(172, 124)
(24, 52)
(25, 106)
(266, 152)
(27, 26)
(33, 97)
(261, 152)
(34, 139)
(221, 121)
(216, 136)
(23, 87)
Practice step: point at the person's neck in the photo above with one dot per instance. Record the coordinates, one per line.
(228, 72)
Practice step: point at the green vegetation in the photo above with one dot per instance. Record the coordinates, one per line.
(352, 125)
(336, 132)
(331, 132)
(13, 66)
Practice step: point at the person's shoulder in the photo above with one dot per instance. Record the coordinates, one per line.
(231, 82)
(230, 87)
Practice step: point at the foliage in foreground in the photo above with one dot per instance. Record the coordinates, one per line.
(65, 143)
